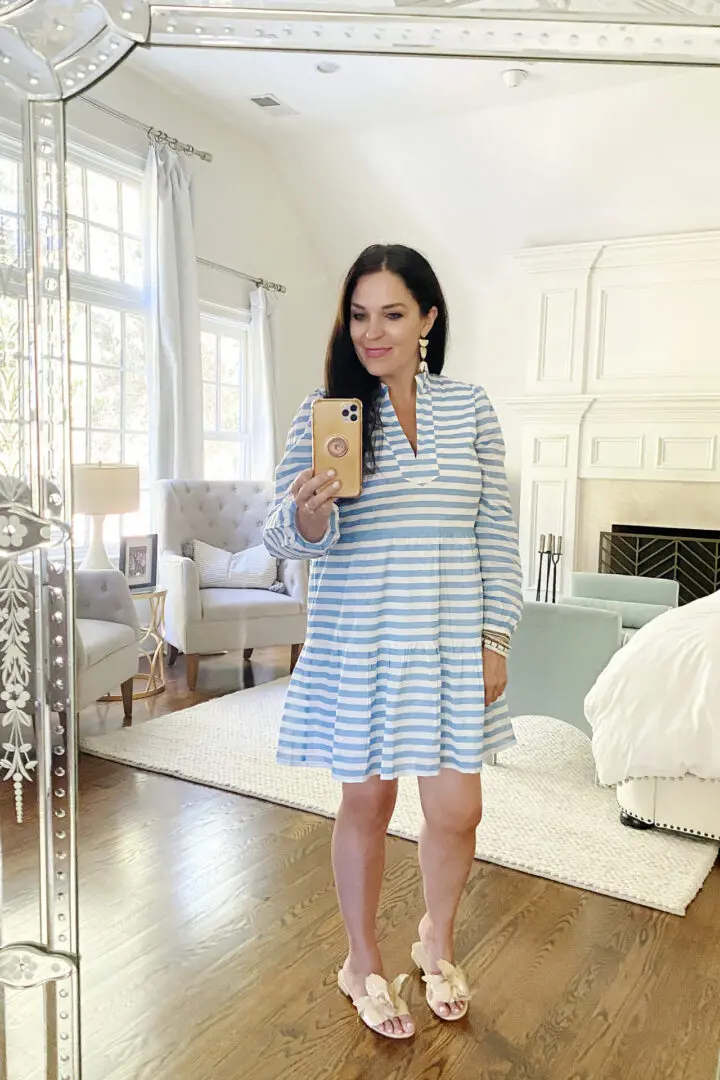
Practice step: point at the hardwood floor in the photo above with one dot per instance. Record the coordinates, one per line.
(210, 938)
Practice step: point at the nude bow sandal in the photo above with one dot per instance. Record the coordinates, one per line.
(445, 987)
(381, 1002)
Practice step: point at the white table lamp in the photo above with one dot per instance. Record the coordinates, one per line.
(99, 490)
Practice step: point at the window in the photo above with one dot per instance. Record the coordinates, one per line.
(105, 222)
(224, 348)
(109, 390)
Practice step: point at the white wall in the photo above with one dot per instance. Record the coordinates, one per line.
(625, 161)
(244, 219)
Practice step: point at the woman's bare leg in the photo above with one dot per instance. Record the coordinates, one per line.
(452, 808)
(358, 854)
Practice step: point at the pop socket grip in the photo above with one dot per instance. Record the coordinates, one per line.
(337, 446)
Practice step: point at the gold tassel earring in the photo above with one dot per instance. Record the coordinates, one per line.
(423, 348)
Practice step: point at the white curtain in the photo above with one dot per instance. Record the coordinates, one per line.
(175, 372)
(263, 338)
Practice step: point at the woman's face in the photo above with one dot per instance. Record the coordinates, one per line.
(386, 325)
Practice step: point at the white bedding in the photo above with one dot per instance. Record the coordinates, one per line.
(655, 709)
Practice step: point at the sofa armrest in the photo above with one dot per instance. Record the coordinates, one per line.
(293, 573)
(179, 575)
(104, 595)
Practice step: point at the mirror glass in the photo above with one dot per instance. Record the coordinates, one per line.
(215, 201)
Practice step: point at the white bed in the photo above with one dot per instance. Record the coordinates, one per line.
(655, 717)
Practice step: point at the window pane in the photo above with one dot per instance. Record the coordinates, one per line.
(78, 445)
(74, 186)
(208, 349)
(77, 246)
(132, 261)
(104, 335)
(111, 532)
(102, 193)
(105, 400)
(78, 395)
(221, 460)
(229, 360)
(78, 333)
(131, 212)
(81, 530)
(9, 185)
(230, 409)
(136, 401)
(138, 524)
(209, 406)
(137, 452)
(134, 341)
(104, 253)
(105, 446)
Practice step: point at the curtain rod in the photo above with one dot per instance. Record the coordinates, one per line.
(154, 134)
(184, 148)
(271, 286)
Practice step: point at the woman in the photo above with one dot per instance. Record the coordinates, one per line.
(415, 591)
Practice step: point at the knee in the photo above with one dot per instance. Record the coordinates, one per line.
(459, 819)
(370, 804)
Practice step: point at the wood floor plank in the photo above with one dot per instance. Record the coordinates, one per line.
(210, 939)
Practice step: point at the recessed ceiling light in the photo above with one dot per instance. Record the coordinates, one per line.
(327, 67)
(514, 77)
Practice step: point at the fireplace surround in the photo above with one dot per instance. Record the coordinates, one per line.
(622, 386)
(689, 556)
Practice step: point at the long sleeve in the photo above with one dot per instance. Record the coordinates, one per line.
(281, 536)
(495, 527)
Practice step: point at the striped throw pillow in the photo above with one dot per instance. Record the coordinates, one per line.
(254, 568)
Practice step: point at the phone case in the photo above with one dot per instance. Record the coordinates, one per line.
(337, 442)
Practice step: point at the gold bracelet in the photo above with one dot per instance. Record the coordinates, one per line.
(495, 646)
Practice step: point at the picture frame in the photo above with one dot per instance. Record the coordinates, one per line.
(138, 561)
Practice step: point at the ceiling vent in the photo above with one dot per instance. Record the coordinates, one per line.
(273, 106)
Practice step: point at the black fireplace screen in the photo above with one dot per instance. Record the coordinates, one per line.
(691, 559)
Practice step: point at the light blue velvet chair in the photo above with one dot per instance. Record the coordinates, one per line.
(638, 600)
(558, 651)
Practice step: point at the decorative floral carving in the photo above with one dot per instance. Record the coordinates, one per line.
(23, 966)
(18, 761)
(21, 530)
(12, 531)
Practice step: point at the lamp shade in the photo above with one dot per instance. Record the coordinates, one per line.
(106, 489)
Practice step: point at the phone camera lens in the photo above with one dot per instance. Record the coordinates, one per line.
(353, 408)
(354, 416)
(345, 412)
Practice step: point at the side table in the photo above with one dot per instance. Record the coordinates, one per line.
(151, 646)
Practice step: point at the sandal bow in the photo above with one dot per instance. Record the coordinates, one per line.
(382, 1001)
(449, 986)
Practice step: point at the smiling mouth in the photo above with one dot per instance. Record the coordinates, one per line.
(375, 353)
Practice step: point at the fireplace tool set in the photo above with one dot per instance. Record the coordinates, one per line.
(550, 553)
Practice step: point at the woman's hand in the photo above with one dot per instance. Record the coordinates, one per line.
(494, 675)
(314, 497)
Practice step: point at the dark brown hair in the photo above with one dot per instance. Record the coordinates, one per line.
(345, 376)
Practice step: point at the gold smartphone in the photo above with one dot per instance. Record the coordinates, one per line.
(337, 442)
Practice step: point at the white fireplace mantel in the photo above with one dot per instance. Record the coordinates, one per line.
(623, 375)
(692, 408)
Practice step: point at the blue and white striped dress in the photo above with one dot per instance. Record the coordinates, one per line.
(390, 680)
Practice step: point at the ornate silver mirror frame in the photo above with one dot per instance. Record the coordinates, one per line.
(50, 50)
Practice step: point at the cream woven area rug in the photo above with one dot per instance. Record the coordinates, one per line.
(544, 814)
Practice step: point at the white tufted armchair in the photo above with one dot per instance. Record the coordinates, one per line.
(106, 637)
(228, 515)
